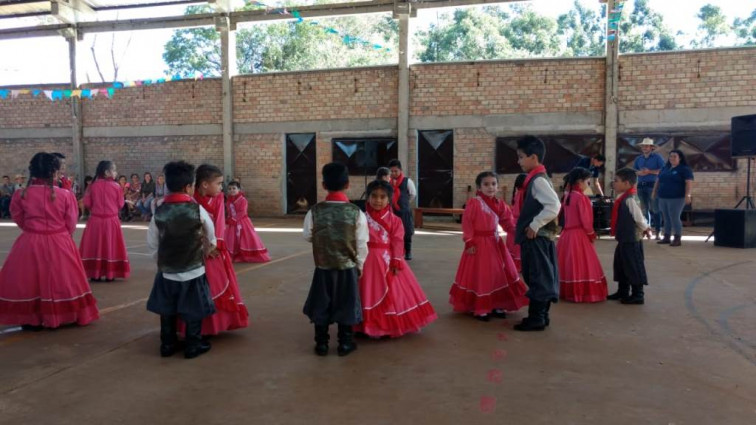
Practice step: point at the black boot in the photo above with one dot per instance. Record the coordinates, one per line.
(408, 249)
(636, 297)
(195, 346)
(623, 290)
(666, 240)
(546, 318)
(168, 338)
(536, 320)
(346, 342)
(321, 340)
(677, 241)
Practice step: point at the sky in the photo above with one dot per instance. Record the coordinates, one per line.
(45, 60)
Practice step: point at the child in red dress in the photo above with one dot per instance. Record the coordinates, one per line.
(513, 248)
(487, 281)
(393, 303)
(241, 239)
(581, 278)
(231, 313)
(42, 283)
(102, 247)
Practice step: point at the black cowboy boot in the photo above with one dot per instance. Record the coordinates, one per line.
(536, 320)
(408, 250)
(666, 240)
(636, 297)
(623, 290)
(677, 241)
(546, 318)
(168, 338)
(195, 345)
(321, 340)
(346, 342)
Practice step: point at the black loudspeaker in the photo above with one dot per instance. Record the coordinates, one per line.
(743, 139)
(735, 228)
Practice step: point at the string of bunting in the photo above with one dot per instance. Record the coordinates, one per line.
(615, 15)
(346, 38)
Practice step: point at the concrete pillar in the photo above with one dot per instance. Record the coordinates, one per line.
(405, 55)
(611, 112)
(75, 164)
(228, 70)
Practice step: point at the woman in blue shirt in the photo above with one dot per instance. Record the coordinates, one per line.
(673, 191)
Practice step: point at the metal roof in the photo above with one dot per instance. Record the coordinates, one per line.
(25, 8)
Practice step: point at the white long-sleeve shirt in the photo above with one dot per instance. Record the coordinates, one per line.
(411, 189)
(153, 241)
(363, 235)
(635, 211)
(544, 193)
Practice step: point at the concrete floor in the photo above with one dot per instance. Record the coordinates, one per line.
(686, 357)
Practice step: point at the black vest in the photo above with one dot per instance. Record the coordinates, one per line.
(403, 196)
(626, 230)
(530, 209)
(181, 235)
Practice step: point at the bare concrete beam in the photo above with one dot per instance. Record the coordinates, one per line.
(31, 32)
(71, 11)
(322, 10)
(184, 21)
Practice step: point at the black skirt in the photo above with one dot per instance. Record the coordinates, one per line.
(539, 269)
(629, 263)
(190, 299)
(334, 298)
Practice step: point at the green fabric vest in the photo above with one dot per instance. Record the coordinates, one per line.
(181, 232)
(334, 241)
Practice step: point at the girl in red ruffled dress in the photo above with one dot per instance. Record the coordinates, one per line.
(241, 239)
(581, 278)
(393, 303)
(102, 247)
(231, 313)
(513, 248)
(487, 282)
(42, 283)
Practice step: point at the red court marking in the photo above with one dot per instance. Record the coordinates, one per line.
(495, 376)
(503, 336)
(487, 404)
(499, 355)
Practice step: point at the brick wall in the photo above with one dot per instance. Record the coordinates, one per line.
(26, 111)
(15, 154)
(709, 78)
(507, 87)
(316, 95)
(176, 102)
(260, 168)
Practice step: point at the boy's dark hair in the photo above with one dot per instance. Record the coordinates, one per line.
(102, 167)
(380, 185)
(382, 172)
(574, 176)
(395, 163)
(483, 175)
(627, 175)
(532, 145)
(178, 175)
(599, 157)
(207, 172)
(59, 155)
(234, 183)
(335, 176)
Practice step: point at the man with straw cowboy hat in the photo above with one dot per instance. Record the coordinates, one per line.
(648, 165)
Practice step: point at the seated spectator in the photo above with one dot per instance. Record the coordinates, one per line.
(146, 196)
(20, 181)
(160, 191)
(124, 183)
(133, 192)
(6, 193)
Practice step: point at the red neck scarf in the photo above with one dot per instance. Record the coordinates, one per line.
(212, 204)
(523, 192)
(377, 216)
(232, 198)
(178, 198)
(396, 184)
(615, 208)
(337, 197)
(496, 205)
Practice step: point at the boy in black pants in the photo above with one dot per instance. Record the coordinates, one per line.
(628, 228)
(535, 233)
(339, 235)
(404, 193)
(179, 233)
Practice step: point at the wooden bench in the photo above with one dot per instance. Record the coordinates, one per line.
(444, 211)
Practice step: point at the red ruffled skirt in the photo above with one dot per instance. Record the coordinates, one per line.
(43, 283)
(581, 278)
(392, 305)
(487, 280)
(103, 249)
(244, 244)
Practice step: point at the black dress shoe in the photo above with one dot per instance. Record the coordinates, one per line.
(345, 349)
(196, 350)
(32, 328)
(484, 318)
(498, 314)
(633, 300)
(167, 350)
(529, 325)
(321, 349)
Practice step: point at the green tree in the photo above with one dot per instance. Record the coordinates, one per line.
(745, 29)
(643, 30)
(583, 31)
(713, 26)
